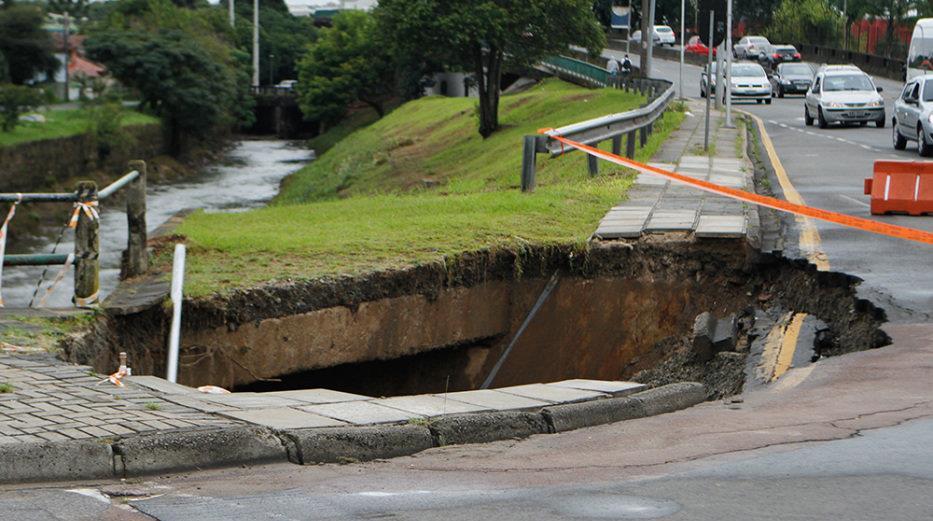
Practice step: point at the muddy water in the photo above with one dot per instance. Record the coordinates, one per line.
(249, 177)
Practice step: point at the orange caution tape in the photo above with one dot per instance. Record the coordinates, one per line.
(859, 223)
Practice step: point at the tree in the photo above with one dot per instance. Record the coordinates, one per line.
(182, 64)
(282, 35)
(808, 21)
(26, 46)
(4, 69)
(347, 63)
(77, 9)
(14, 100)
(485, 36)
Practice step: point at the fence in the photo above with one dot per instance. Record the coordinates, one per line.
(86, 223)
(636, 124)
(879, 65)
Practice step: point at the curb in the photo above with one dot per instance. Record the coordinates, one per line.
(109, 458)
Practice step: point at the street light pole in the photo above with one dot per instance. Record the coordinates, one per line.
(271, 64)
(680, 71)
(650, 37)
(728, 49)
(231, 13)
(845, 23)
(67, 36)
(255, 43)
(628, 35)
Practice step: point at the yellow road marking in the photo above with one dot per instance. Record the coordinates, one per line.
(809, 235)
(788, 346)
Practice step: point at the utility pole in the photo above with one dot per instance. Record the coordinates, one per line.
(728, 48)
(643, 46)
(650, 63)
(271, 69)
(845, 23)
(683, 44)
(255, 43)
(67, 34)
(231, 13)
(628, 34)
(709, 79)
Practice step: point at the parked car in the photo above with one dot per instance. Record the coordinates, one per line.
(843, 94)
(287, 84)
(636, 38)
(778, 54)
(749, 82)
(750, 47)
(696, 46)
(791, 78)
(912, 113)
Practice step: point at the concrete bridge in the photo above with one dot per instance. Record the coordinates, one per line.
(277, 112)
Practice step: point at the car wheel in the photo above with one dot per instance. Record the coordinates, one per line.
(862, 123)
(822, 120)
(880, 123)
(702, 91)
(807, 120)
(780, 91)
(900, 142)
(922, 147)
(767, 102)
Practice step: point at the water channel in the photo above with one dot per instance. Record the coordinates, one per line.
(248, 177)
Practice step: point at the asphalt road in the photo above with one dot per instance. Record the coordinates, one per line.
(828, 168)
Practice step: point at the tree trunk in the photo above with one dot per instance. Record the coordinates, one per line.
(488, 70)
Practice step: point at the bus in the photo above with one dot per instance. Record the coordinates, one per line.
(920, 55)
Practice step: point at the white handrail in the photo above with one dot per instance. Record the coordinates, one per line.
(178, 281)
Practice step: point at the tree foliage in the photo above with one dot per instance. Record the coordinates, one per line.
(808, 21)
(4, 69)
(181, 62)
(281, 35)
(15, 100)
(486, 36)
(347, 63)
(26, 46)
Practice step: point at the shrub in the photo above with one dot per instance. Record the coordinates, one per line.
(15, 100)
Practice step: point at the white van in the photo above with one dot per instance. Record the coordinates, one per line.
(920, 55)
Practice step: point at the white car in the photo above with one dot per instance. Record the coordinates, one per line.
(663, 35)
(843, 94)
(750, 47)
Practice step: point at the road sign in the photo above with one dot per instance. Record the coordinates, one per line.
(719, 31)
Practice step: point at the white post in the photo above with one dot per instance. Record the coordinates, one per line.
(628, 35)
(255, 43)
(649, 59)
(178, 281)
(720, 74)
(680, 71)
(231, 13)
(728, 47)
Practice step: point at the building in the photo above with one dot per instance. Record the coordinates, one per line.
(326, 9)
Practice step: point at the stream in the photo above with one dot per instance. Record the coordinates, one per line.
(248, 178)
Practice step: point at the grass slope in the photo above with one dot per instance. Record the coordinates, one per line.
(362, 206)
(63, 123)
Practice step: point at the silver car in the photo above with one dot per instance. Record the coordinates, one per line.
(913, 111)
(750, 47)
(843, 94)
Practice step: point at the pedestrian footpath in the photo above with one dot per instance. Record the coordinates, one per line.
(656, 205)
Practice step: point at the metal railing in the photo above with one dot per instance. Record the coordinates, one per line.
(86, 223)
(637, 124)
(891, 68)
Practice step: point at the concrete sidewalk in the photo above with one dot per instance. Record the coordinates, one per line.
(656, 205)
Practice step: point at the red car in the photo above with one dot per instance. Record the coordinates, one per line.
(695, 46)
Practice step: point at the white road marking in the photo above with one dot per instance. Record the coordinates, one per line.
(854, 200)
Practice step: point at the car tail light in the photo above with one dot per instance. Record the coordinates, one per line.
(797, 55)
(776, 56)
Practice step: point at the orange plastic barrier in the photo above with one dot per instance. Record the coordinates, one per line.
(901, 187)
(859, 223)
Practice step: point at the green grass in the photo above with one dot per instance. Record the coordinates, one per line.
(6, 388)
(362, 206)
(355, 120)
(63, 123)
(153, 406)
(41, 333)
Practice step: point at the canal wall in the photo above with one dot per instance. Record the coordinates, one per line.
(39, 165)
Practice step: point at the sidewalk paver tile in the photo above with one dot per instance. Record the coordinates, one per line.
(676, 220)
(306, 396)
(161, 385)
(360, 413)
(495, 400)
(551, 394)
(428, 405)
(721, 226)
(247, 400)
(284, 418)
(616, 388)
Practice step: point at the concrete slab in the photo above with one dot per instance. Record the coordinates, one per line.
(551, 394)
(619, 231)
(732, 181)
(615, 388)
(161, 385)
(672, 220)
(721, 226)
(247, 400)
(284, 418)
(307, 396)
(650, 180)
(193, 402)
(663, 166)
(360, 413)
(495, 400)
(428, 405)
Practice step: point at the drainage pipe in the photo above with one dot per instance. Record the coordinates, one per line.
(518, 334)
(178, 281)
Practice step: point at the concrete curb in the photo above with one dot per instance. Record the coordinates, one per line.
(341, 444)
(242, 445)
(655, 401)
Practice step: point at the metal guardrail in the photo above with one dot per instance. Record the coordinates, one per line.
(891, 68)
(637, 124)
(86, 256)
